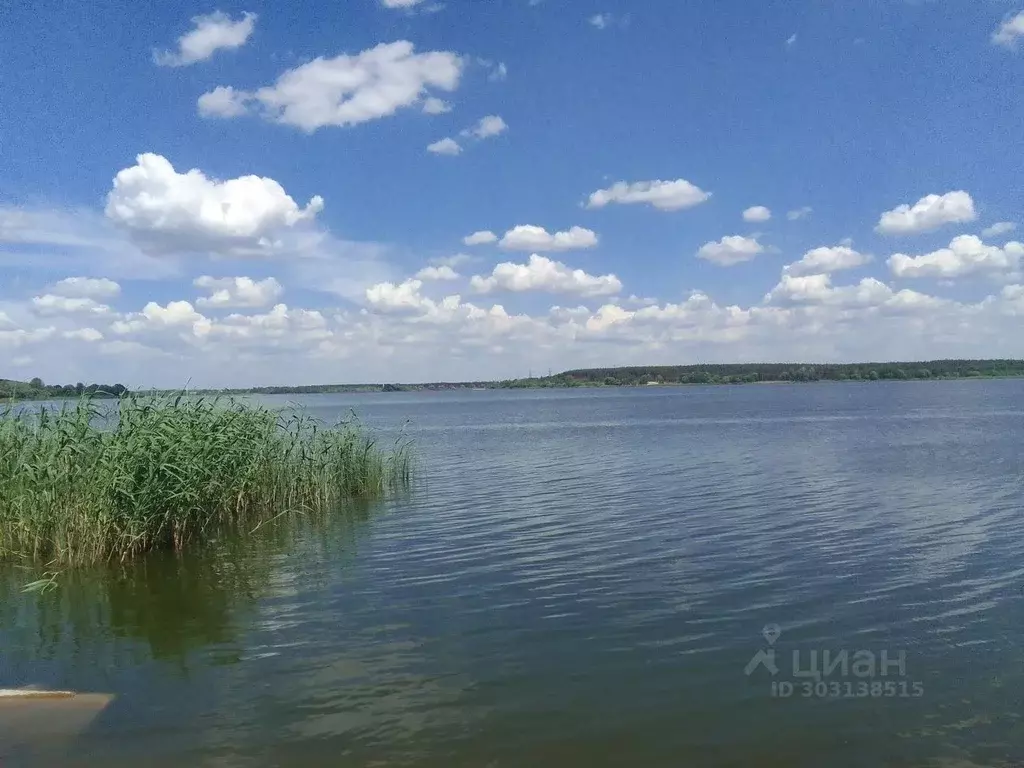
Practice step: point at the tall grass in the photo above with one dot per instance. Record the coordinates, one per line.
(88, 484)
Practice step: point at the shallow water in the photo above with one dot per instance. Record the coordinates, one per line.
(581, 580)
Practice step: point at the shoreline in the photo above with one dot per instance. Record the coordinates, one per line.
(593, 378)
(358, 389)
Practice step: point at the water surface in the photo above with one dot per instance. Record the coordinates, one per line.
(580, 580)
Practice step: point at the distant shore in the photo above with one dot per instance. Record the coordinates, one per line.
(636, 376)
(630, 376)
(376, 389)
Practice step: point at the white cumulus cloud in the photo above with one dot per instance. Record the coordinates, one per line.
(928, 214)
(175, 313)
(223, 101)
(966, 255)
(527, 237)
(446, 146)
(154, 317)
(21, 336)
(805, 317)
(237, 291)
(1013, 296)
(757, 213)
(1010, 31)
(999, 228)
(799, 213)
(825, 260)
(211, 33)
(730, 250)
(486, 127)
(443, 272)
(663, 195)
(400, 3)
(83, 334)
(51, 304)
(435, 106)
(402, 297)
(171, 211)
(86, 287)
(544, 275)
(807, 288)
(868, 293)
(344, 90)
(280, 327)
(483, 237)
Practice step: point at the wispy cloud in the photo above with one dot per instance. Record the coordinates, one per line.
(607, 20)
(214, 32)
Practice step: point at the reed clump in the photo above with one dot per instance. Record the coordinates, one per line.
(89, 483)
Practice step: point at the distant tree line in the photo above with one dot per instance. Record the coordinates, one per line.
(775, 372)
(558, 381)
(37, 390)
(638, 376)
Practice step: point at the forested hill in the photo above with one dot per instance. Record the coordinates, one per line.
(778, 372)
(37, 390)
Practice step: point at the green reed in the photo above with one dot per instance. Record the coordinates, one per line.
(87, 483)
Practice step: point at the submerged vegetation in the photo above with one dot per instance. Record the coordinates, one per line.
(88, 483)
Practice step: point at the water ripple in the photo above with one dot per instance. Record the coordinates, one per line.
(581, 578)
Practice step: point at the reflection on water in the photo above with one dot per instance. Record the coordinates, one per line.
(163, 607)
(581, 580)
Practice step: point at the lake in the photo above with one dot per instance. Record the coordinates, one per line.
(584, 578)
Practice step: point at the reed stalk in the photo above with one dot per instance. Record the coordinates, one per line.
(94, 482)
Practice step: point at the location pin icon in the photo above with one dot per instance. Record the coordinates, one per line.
(771, 633)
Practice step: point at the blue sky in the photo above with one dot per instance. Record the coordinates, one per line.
(164, 157)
